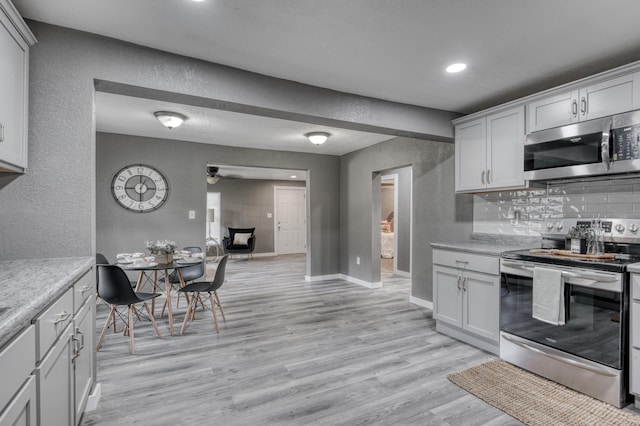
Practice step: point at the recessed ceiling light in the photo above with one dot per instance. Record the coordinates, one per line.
(293, 176)
(456, 67)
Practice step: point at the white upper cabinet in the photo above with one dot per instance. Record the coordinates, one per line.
(612, 96)
(15, 39)
(490, 152)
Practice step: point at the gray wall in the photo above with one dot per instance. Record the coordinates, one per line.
(437, 214)
(184, 165)
(247, 203)
(50, 211)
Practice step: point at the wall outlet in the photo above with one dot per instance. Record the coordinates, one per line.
(269, 215)
(192, 214)
(358, 260)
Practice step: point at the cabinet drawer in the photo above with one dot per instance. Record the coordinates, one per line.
(468, 261)
(83, 289)
(17, 361)
(51, 322)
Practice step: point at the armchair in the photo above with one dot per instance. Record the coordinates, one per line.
(240, 241)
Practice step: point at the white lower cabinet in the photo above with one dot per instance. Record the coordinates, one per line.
(634, 338)
(83, 359)
(55, 383)
(17, 383)
(22, 409)
(466, 296)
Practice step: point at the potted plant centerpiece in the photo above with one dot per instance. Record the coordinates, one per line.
(162, 250)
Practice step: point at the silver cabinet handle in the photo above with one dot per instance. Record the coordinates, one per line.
(63, 316)
(574, 108)
(489, 176)
(459, 279)
(86, 288)
(583, 106)
(483, 172)
(464, 283)
(1, 132)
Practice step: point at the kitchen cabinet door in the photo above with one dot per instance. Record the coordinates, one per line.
(22, 409)
(14, 81)
(610, 97)
(553, 111)
(505, 149)
(55, 383)
(447, 296)
(83, 361)
(471, 163)
(481, 305)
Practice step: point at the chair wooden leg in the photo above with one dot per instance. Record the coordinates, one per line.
(113, 317)
(213, 311)
(215, 293)
(186, 316)
(152, 320)
(106, 326)
(130, 326)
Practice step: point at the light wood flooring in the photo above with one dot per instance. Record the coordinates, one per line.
(292, 353)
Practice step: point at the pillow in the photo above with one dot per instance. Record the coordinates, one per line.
(240, 239)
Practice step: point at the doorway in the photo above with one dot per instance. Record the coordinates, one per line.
(290, 230)
(392, 222)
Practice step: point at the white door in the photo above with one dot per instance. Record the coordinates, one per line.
(290, 220)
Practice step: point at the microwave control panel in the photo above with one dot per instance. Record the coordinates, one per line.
(626, 145)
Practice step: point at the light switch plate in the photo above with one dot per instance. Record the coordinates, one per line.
(192, 214)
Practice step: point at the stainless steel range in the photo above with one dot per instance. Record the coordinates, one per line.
(584, 345)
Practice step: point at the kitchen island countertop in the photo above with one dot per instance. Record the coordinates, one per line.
(28, 286)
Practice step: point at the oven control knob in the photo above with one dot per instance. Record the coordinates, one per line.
(559, 226)
(633, 228)
(620, 228)
(550, 226)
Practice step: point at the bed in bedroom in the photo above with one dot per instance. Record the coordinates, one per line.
(386, 240)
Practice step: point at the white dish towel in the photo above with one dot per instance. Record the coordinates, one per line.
(548, 296)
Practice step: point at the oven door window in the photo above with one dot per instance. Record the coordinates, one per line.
(593, 328)
(580, 150)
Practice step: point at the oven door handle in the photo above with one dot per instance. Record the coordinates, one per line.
(572, 362)
(601, 278)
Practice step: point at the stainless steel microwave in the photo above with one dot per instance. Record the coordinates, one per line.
(604, 146)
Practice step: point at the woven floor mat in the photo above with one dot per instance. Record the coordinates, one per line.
(537, 401)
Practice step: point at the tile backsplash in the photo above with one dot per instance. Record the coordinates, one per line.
(523, 212)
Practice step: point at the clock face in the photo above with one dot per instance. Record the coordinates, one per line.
(140, 188)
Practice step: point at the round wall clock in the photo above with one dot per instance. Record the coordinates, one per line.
(140, 188)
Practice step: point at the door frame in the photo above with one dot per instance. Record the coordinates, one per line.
(394, 178)
(275, 216)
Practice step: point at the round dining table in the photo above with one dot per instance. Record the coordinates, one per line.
(148, 267)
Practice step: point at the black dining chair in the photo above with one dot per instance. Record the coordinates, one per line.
(206, 287)
(190, 273)
(115, 289)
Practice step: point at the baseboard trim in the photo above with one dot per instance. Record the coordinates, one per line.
(94, 397)
(344, 277)
(315, 278)
(367, 284)
(403, 273)
(421, 302)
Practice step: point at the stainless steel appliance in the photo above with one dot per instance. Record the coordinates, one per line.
(589, 351)
(607, 145)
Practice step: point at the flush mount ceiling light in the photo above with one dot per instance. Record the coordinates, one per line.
(169, 119)
(318, 138)
(453, 68)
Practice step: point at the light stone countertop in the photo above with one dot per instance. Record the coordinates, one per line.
(28, 286)
(489, 248)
